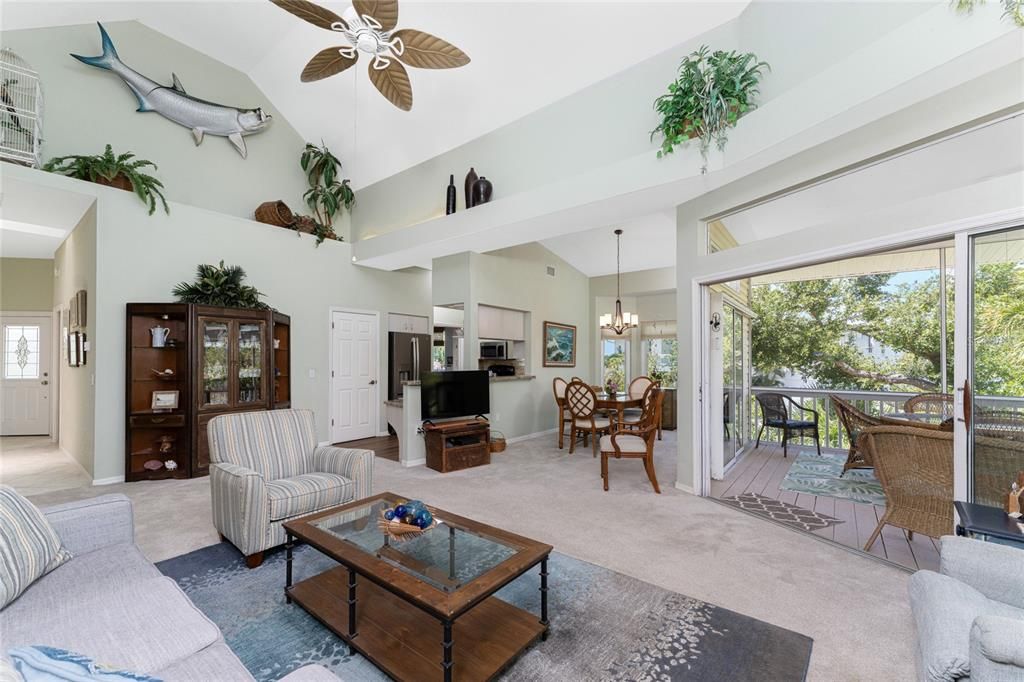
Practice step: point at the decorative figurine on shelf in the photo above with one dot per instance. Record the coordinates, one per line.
(468, 187)
(152, 465)
(159, 335)
(166, 444)
(171, 465)
(449, 203)
(482, 190)
(1014, 501)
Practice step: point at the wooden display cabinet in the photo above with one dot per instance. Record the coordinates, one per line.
(282, 361)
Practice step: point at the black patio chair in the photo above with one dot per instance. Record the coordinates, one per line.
(775, 414)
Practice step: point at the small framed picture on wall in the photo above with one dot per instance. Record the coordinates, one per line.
(165, 400)
(80, 304)
(74, 349)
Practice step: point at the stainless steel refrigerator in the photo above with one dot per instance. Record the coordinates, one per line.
(408, 356)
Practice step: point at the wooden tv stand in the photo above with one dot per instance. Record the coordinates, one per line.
(458, 444)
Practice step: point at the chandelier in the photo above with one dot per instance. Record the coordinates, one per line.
(619, 322)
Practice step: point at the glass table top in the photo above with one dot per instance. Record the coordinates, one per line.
(447, 556)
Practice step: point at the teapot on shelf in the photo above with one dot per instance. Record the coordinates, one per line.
(159, 335)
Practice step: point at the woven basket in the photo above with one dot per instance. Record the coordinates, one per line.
(275, 213)
(497, 442)
(400, 532)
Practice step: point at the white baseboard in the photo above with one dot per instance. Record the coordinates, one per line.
(415, 462)
(323, 443)
(383, 434)
(108, 481)
(528, 436)
(685, 488)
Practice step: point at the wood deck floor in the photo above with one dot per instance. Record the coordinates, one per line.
(382, 446)
(762, 470)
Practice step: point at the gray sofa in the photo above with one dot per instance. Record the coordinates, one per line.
(111, 604)
(970, 615)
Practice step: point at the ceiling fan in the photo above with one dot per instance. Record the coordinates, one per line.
(369, 27)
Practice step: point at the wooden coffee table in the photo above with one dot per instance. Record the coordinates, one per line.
(425, 609)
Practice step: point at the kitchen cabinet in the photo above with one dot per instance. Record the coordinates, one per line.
(501, 323)
(409, 324)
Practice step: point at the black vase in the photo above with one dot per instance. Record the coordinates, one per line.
(449, 204)
(470, 179)
(482, 190)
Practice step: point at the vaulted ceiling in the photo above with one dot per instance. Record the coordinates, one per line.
(525, 55)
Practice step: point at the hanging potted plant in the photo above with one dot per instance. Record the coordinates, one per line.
(327, 194)
(710, 93)
(119, 171)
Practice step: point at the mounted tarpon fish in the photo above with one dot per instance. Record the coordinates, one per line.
(175, 104)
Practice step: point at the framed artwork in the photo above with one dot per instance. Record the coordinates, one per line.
(64, 331)
(73, 313)
(559, 345)
(80, 303)
(74, 349)
(165, 400)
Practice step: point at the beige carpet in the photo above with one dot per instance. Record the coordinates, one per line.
(855, 608)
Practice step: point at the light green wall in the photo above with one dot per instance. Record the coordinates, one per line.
(26, 284)
(86, 108)
(74, 268)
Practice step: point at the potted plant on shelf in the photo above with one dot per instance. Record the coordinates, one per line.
(327, 194)
(712, 90)
(1012, 9)
(119, 171)
(221, 286)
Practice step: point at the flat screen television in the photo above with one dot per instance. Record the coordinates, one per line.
(454, 394)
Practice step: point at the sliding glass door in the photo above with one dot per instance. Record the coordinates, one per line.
(735, 382)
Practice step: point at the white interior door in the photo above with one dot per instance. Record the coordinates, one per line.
(354, 384)
(25, 379)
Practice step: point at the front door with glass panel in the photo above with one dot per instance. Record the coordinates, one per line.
(25, 382)
(991, 398)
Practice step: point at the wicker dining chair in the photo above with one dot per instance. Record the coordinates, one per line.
(637, 443)
(775, 414)
(558, 386)
(581, 400)
(915, 468)
(854, 421)
(930, 403)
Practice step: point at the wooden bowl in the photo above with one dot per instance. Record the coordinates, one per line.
(400, 532)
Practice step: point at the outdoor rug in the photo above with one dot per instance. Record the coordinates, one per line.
(604, 625)
(776, 510)
(822, 475)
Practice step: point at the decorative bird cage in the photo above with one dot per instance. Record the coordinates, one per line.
(21, 111)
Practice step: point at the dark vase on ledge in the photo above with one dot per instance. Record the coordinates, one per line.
(468, 188)
(449, 204)
(482, 191)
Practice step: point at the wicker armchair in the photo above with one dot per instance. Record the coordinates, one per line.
(581, 400)
(997, 463)
(915, 467)
(775, 414)
(637, 443)
(854, 421)
(930, 403)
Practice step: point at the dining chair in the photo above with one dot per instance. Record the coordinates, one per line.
(637, 388)
(558, 386)
(775, 414)
(915, 468)
(637, 443)
(581, 400)
(633, 417)
(930, 403)
(854, 421)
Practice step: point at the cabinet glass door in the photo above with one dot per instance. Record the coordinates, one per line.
(214, 361)
(251, 369)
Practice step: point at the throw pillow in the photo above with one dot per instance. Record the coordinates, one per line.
(7, 672)
(29, 547)
(47, 664)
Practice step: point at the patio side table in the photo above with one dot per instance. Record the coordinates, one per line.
(990, 522)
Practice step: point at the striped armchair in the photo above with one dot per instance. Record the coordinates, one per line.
(266, 468)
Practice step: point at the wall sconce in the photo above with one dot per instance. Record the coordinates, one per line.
(716, 322)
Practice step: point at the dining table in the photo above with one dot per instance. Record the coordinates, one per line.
(927, 420)
(617, 403)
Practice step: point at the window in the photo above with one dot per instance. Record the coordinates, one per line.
(21, 352)
(615, 362)
(662, 360)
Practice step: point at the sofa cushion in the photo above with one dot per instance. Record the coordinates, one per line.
(143, 625)
(944, 610)
(307, 493)
(29, 547)
(85, 575)
(48, 664)
(215, 662)
(275, 443)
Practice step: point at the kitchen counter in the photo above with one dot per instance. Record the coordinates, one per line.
(518, 377)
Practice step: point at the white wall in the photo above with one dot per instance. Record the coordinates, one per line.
(74, 268)
(141, 258)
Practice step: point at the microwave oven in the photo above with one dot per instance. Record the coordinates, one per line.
(494, 349)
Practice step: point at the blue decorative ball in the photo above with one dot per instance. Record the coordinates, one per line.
(389, 514)
(401, 510)
(422, 521)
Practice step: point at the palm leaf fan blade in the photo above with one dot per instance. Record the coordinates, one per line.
(426, 51)
(311, 12)
(384, 11)
(326, 63)
(393, 83)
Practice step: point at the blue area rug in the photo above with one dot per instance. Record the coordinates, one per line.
(604, 625)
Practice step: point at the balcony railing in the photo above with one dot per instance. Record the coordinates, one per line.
(875, 403)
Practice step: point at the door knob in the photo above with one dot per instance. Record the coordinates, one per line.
(373, 381)
(44, 382)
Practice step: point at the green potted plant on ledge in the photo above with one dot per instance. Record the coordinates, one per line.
(710, 93)
(222, 286)
(327, 194)
(119, 171)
